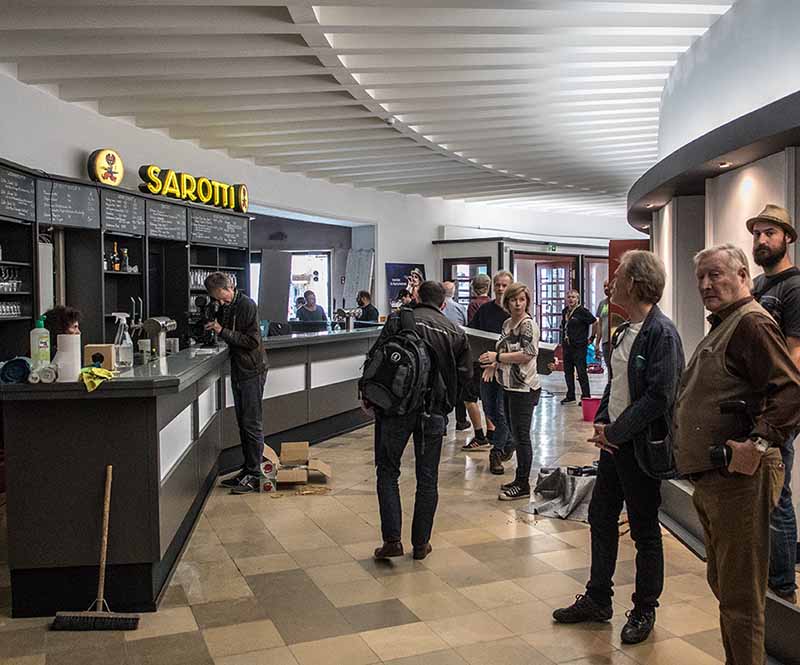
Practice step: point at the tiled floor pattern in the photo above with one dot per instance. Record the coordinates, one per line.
(288, 580)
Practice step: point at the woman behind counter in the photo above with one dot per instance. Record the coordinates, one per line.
(61, 320)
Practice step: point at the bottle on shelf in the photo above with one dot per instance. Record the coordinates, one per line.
(106, 262)
(40, 345)
(115, 260)
(125, 264)
(123, 344)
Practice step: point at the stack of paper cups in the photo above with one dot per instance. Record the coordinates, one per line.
(68, 358)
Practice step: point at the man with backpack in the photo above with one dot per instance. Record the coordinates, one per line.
(412, 378)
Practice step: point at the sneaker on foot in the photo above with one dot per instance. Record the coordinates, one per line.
(461, 426)
(247, 484)
(233, 481)
(389, 550)
(495, 465)
(568, 400)
(514, 491)
(639, 625)
(583, 609)
(476, 444)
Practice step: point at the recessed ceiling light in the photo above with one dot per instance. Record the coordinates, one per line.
(725, 165)
(650, 205)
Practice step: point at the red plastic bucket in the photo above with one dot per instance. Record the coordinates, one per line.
(590, 406)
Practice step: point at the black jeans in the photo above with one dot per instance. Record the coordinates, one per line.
(391, 437)
(461, 412)
(575, 359)
(619, 478)
(519, 413)
(247, 396)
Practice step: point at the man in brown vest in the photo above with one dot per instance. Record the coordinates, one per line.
(736, 406)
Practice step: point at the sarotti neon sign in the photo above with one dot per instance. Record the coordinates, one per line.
(186, 187)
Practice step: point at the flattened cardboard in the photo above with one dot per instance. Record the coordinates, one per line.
(293, 453)
(320, 467)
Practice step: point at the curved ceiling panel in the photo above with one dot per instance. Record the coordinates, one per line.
(549, 104)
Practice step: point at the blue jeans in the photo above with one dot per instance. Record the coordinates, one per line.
(391, 437)
(783, 532)
(493, 398)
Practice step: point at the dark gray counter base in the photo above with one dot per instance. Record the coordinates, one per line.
(231, 458)
(41, 592)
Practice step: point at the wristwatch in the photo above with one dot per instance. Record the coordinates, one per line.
(497, 356)
(761, 444)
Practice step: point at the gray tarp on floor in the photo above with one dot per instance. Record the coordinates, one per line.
(558, 494)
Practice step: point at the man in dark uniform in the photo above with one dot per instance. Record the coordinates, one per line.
(778, 291)
(576, 322)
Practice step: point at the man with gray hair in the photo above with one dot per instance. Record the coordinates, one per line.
(737, 405)
(237, 326)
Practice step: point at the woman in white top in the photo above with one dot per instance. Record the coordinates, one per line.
(513, 366)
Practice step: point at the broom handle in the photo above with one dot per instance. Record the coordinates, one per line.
(101, 583)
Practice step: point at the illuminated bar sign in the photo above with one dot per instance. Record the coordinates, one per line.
(186, 187)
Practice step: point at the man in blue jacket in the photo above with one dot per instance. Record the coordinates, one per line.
(633, 429)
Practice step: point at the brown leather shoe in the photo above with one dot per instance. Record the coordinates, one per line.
(421, 551)
(495, 465)
(389, 550)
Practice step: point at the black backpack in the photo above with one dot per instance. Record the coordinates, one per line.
(397, 372)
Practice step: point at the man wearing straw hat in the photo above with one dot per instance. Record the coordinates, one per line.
(778, 291)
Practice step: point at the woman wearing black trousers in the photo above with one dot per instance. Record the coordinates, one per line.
(513, 366)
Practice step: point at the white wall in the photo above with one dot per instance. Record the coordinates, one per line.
(662, 242)
(41, 131)
(734, 197)
(749, 58)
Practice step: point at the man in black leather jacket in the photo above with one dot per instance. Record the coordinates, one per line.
(633, 429)
(237, 325)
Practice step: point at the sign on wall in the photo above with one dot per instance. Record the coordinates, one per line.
(105, 166)
(186, 187)
(403, 276)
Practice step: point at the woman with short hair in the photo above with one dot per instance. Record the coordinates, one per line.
(513, 366)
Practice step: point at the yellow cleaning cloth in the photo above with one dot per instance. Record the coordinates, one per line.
(93, 376)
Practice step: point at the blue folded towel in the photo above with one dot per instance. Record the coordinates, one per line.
(16, 370)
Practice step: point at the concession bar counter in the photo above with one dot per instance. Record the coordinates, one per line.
(167, 427)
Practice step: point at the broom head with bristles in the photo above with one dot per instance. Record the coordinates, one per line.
(100, 619)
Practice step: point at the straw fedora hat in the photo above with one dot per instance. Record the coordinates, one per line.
(775, 215)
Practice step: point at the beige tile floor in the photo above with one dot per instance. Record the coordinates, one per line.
(288, 580)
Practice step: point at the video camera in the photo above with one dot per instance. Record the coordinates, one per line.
(205, 311)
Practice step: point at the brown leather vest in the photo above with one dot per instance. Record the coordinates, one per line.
(705, 384)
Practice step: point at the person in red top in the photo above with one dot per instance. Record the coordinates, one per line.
(480, 291)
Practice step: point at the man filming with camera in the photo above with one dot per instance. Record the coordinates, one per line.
(237, 325)
(736, 406)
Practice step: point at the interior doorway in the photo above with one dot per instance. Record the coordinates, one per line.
(461, 271)
(549, 278)
(311, 271)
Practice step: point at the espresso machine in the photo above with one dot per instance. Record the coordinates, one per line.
(155, 329)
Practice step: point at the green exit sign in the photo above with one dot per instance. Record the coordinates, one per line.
(552, 247)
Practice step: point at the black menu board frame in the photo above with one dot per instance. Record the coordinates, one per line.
(121, 212)
(166, 221)
(17, 195)
(209, 227)
(76, 205)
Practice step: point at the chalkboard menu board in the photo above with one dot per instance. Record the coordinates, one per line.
(122, 212)
(165, 220)
(67, 204)
(17, 195)
(213, 228)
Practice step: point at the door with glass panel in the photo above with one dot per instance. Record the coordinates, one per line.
(462, 271)
(553, 280)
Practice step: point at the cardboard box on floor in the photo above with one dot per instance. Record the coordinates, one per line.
(294, 465)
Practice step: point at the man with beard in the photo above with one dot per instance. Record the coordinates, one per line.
(778, 291)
